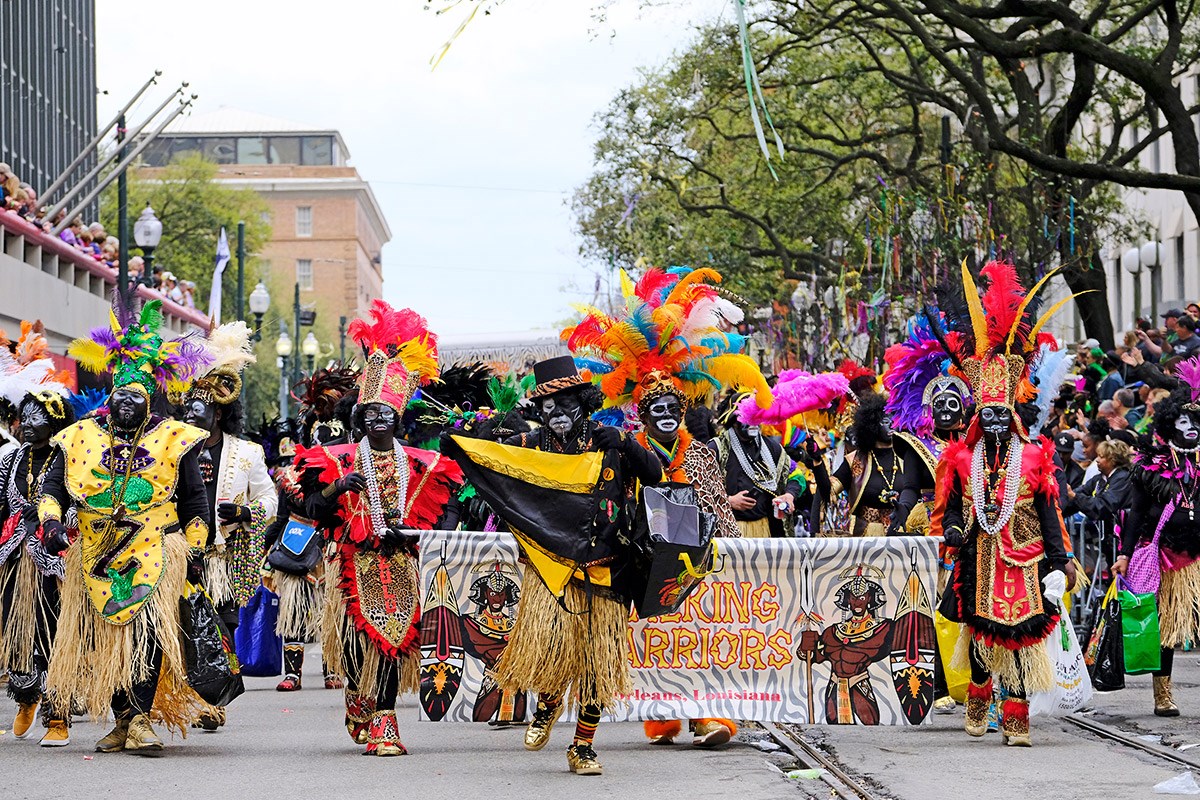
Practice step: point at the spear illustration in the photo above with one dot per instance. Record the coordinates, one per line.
(809, 618)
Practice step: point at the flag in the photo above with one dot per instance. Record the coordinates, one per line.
(214, 298)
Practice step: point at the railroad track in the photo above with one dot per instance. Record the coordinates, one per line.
(810, 757)
(1105, 731)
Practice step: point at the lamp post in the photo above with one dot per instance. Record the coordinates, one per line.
(283, 349)
(241, 274)
(1150, 254)
(1131, 260)
(147, 232)
(260, 302)
(342, 339)
(310, 348)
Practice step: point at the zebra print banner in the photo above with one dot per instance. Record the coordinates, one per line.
(827, 630)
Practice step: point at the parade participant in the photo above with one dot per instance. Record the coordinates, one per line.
(234, 470)
(757, 476)
(133, 479)
(1166, 490)
(656, 375)
(997, 502)
(870, 472)
(575, 643)
(328, 399)
(30, 576)
(368, 498)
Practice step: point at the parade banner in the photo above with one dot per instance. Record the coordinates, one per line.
(813, 631)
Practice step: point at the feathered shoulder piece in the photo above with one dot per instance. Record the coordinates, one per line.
(131, 348)
(322, 391)
(230, 351)
(400, 351)
(669, 338)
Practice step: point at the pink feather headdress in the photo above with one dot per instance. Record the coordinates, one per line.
(796, 392)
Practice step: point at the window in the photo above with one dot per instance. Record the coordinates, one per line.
(304, 274)
(316, 151)
(1156, 145)
(304, 220)
(252, 150)
(285, 149)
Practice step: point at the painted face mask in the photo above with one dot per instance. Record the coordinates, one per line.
(1187, 431)
(996, 422)
(129, 408)
(379, 421)
(665, 415)
(35, 424)
(561, 414)
(201, 414)
(947, 408)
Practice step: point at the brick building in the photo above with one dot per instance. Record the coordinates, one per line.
(328, 230)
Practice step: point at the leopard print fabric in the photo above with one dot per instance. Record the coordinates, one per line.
(700, 464)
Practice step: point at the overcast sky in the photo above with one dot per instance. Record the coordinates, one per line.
(472, 162)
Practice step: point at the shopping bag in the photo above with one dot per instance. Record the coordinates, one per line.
(1105, 653)
(672, 548)
(259, 647)
(213, 671)
(947, 638)
(1144, 573)
(1139, 630)
(1072, 687)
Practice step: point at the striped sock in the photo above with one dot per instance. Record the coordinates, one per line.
(585, 729)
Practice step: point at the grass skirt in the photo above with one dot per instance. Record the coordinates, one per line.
(347, 651)
(300, 606)
(19, 616)
(1027, 668)
(92, 659)
(551, 650)
(1179, 606)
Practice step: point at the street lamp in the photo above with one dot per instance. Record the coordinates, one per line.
(310, 347)
(283, 349)
(147, 232)
(1131, 261)
(260, 302)
(1150, 254)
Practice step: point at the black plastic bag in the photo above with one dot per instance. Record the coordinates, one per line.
(212, 666)
(670, 571)
(1105, 654)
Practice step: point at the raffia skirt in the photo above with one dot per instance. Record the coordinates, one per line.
(20, 623)
(551, 650)
(301, 602)
(93, 659)
(1179, 606)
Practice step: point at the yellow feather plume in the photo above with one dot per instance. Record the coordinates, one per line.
(627, 287)
(975, 307)
(683, 287)
(740, 372)
(1025, 304)
(1041, 323)
(90, 355)
(417, 356)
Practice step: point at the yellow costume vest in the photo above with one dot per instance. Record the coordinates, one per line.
(125, 497)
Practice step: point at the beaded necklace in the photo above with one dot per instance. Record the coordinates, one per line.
(992, 517)
(761, 474)
(889, 495)
(366, 462)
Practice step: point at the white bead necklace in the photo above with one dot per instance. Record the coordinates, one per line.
(374, 497)
(1012, 481)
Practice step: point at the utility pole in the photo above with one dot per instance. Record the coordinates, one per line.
(122, 220)
(241, 282)
(342, 338)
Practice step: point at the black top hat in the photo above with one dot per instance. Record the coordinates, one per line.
(555, 375)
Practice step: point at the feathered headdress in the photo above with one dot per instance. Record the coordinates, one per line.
(670, 339)
(1189, 372)
(796, 392)
(230, 351)
(401, 354)
(88, 401)
(321, 392)
(29, 370)
(133, 351)
(1049, 372)
(998, 338)
(918, 370)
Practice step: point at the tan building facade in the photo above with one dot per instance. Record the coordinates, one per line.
(328, 230)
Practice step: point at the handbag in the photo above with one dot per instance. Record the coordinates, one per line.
(1072, 687)
(298, 550)
(1139, 630)
(213, 671)
(1144, 574)
(1105, 654)
(673, 548)
(259, 647)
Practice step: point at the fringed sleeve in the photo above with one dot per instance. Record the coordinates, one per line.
(434, 478)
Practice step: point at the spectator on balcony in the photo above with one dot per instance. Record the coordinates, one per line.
(189, 293)
(171, 288)
(137, 269)
(70, 234)
(98, 232)
(109, 253)
(9, 183)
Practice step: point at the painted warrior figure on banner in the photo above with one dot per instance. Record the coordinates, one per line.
(133, 478)
(234, 470)
(368, 497)
(29, 575)
(997, 504)
(495, 595)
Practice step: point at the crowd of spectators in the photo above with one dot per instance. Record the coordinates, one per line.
(20, 198)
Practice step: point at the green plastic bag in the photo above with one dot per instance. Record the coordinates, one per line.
(1139, 629)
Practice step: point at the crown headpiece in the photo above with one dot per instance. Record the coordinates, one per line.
(230, 351)
(401, 355)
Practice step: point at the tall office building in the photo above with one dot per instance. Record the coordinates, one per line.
(47, 86)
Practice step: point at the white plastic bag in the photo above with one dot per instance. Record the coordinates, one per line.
(1072, 686)
(1183, 783)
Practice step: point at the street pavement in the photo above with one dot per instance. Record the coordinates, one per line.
(293, 745)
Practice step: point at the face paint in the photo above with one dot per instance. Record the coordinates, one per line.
(201, 414)
(996, 422)
(665, 414)
(380, 423)
(753, 431)
(947, 408)
(129, 408)
(35, 425)
(561, 414)
(1187, 431)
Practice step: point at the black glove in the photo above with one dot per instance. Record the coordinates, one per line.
(195, 567)
(232, 512)
(354, 482)
(54, 537)
(896, 528)
(954, 536)
(396, 541)
(606, 437)
(30, 514)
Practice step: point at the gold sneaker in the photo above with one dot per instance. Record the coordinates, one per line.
(1164, 702)
(23, 724)
(582, 760)
(142, 739)
(944, 705)
(538, 732)
(711, 733)
(114, 740)
(58, 734)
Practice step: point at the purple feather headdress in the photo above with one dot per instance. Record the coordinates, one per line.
(1189, 372)
(913, 365)
(796, 392)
